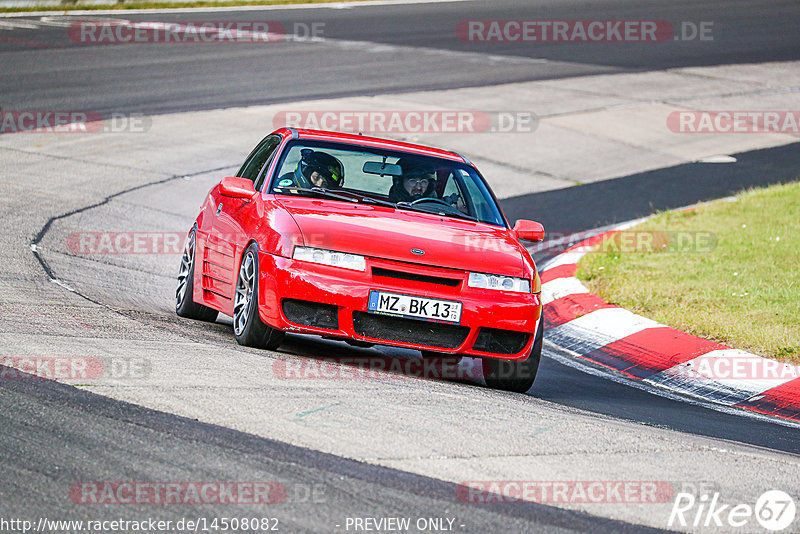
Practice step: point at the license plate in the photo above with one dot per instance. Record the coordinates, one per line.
(409, 306)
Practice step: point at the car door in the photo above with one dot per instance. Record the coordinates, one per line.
(228, 236)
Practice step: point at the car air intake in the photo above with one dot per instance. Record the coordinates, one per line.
(311, 313)
(445, 336)
(402, 275)
(500, 341)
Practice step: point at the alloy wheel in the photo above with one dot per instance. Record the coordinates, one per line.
(186, 268)
(244, 294)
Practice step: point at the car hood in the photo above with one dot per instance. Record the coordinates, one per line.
(384, 232)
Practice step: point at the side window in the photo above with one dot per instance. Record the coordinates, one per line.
(263, 172)
(259, 157)
(479, 199)
(451, 192)
(453, 196)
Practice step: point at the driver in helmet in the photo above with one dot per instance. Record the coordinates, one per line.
(417, 181)
(315, 169)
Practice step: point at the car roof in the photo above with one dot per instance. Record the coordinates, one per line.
(375, 142)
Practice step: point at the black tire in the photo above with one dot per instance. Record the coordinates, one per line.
(185, 306)
(248, 328)
(517, 376)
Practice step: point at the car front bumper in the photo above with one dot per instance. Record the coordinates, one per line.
(304, 297)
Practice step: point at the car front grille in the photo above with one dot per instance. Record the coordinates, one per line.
(403, 275)
(309, 313)
(499, 341)
(445, 336)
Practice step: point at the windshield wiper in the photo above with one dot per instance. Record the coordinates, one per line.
(460, 215)
(317, 192)
(332, 194)
(369, 200)
(350, 196)
(454, 214)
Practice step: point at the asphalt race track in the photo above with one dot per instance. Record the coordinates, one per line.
(394, 43)
(188, 404)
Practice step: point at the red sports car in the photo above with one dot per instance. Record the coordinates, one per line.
(369, 241)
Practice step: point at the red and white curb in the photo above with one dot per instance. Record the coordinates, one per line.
(590, 328)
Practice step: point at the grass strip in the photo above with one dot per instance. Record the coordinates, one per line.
(728, 271)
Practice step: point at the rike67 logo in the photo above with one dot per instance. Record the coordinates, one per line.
(774, 510)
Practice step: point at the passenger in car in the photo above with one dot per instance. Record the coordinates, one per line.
(315, 169)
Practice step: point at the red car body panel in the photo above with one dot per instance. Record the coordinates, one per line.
(453, 248)
(382, 232)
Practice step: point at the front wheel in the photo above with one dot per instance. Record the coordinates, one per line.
(248, 328)
(515, 375)
(185, 306)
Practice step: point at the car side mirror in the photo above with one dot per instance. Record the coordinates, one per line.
(236, 187)
(529, 230)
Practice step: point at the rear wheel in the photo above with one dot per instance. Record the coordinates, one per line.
(515, 375)
(248, 328)
(185, 306)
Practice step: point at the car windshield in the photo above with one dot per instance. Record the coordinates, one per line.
(400, 180)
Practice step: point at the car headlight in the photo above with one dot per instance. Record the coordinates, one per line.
(330, 257)
(500, 283)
